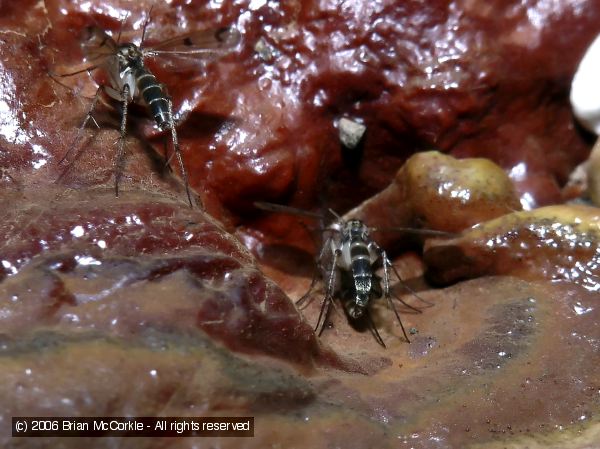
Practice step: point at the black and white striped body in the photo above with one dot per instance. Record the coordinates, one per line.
(357, 257)
(129, 81)
(142, 85)
(154, 96)
(348, 261)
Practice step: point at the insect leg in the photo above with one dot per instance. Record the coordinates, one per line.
(328, 295)
(177, 152)
(88, 117)
(316, 272)
(406, 287)
(64, 75)
(306, 295)
(53, 76)
(121, 150)
(374, 330)
(166, 153)
(386, 290)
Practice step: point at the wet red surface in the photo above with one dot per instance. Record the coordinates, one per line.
(106, 265)
(483, 80)
(139, 305)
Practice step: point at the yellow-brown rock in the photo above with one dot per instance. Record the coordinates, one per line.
(553, 242)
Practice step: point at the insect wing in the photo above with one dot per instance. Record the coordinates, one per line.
(189, 51)
(416, 231)
(197, 44)
(97, 45)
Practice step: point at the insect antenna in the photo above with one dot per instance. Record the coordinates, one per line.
(146, 22)
(121, 26)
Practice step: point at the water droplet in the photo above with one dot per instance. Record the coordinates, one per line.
(77, 231)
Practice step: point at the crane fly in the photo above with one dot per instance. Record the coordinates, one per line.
(130, 81)
(349, 258)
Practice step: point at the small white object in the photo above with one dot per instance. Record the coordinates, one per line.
(585, 89)
(265, 51)
(350, 132)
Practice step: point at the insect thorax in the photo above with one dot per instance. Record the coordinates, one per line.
(131, 55)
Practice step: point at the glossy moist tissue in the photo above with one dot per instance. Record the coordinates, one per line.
(141, 306)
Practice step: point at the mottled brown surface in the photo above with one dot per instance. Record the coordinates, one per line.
(552, 242)
(142, 306)
(477, 371)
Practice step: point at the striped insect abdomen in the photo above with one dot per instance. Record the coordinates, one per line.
(154, 96)
(362, 271)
